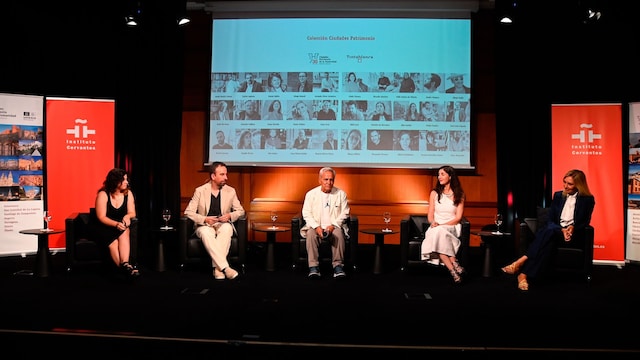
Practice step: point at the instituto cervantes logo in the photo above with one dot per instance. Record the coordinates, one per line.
(81, 136)
(587, 138)
(586, 134)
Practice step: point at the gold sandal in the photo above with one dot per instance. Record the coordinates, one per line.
(523, 285)
(511, 268)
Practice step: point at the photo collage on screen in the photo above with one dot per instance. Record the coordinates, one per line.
(339, 112)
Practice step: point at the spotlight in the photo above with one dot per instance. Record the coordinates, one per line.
(590, 11)
(182, 17)
(133, 14)
(506, 20)
(508, 12)
(131, 21)
(593, 15)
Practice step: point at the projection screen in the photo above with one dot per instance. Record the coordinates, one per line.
(355, 92)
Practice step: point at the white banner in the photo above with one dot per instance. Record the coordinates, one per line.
(21, 172)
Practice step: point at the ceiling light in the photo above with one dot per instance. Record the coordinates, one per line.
(508, 10)
(594, 15)
(182, 16)
(130, 20)
(133, 13)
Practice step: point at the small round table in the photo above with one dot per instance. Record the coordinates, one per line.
(379, 241)
(489, 238)
(43, 258)
(162, 233)
(271, 231)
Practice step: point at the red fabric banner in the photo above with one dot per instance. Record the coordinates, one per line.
(589, 137)
(79, 153)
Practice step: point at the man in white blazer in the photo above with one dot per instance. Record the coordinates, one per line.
(325, 210)
(213, 208)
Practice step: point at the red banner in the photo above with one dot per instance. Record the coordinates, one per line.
(79, 153)
(589, 137)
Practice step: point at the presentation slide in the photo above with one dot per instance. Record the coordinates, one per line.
(353, 92)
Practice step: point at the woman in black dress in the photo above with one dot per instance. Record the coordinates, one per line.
(115, 207)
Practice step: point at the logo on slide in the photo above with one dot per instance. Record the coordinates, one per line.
(313, 58)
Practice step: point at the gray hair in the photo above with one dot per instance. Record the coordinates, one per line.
(327, 168)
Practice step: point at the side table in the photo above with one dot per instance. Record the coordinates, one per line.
(43, 257)
(491, 239)
(162, 234)
(379, 242)
(271, 231)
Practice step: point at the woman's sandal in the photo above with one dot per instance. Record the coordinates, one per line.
(511, 268)
(523, 285)
(129, 269)
(459, 269)
(456, 277)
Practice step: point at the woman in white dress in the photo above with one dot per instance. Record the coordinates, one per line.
(446, 207)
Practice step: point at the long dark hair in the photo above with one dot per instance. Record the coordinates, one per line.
(454, 183)
(114, 178)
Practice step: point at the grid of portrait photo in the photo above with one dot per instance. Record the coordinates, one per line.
(385, 113)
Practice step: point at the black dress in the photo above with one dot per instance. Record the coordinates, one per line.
(107, 234)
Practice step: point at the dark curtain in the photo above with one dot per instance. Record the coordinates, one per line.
(149, 119)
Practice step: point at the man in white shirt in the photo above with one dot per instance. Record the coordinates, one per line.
(325, 210)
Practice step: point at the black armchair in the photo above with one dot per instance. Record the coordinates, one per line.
(192, 251)
(84, 251)
(412, 229)
(299, 244)
(575, 256)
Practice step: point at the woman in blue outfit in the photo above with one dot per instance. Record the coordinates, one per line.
(115, 207)
(569, 214)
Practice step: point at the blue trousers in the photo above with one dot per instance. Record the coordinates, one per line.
(542, 249)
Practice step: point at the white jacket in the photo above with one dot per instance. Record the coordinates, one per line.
(312, 209)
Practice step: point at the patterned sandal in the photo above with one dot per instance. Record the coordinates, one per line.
(456, 277)
(459, 269)
(511, 268)
(129, 269)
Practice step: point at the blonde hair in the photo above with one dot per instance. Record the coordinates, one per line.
(579, 180)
